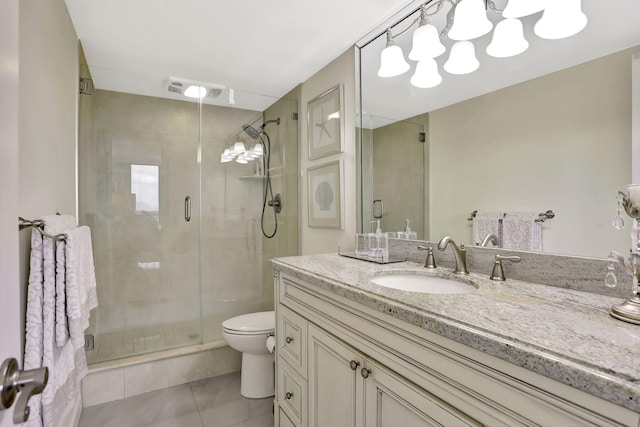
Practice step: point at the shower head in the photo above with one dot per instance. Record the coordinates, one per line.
(251, 131)
(255, 133)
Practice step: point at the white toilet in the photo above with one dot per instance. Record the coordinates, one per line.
(248, 334)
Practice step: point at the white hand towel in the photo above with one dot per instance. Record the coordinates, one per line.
(521, 231)
(33, 348)
(81, 281)
(58, 224)
(53, 225)
(62, 326)
(67, 363)
(486, 223)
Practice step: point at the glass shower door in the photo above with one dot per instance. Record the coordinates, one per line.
(139, 193)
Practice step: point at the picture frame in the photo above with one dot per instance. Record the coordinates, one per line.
(325, 124)
(325, 195)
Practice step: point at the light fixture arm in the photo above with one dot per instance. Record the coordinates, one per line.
(492, 6)
(422, 19)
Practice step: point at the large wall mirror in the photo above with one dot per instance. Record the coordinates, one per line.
(549, 129)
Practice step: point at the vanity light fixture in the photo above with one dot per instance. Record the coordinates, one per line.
(240, 154)
(467, 20)
(392, 62)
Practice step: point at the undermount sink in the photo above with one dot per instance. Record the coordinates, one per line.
(423, 284)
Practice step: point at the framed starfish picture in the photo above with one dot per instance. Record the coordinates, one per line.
(325, 124)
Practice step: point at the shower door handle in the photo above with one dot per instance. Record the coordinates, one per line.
(187, 208)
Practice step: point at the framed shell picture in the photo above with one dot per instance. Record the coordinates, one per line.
(324, 184)
(325, 123)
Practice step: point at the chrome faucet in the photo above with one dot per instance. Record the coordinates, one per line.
(459, 252)
(490, 238)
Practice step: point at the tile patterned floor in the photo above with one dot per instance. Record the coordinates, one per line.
(213, 402)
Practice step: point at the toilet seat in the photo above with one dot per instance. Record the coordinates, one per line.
(251, 324)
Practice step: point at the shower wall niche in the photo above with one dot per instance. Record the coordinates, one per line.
(168, 279)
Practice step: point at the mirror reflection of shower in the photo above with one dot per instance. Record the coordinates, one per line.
(268, 199)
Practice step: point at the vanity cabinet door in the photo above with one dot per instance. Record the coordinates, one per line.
(392, 401)
(292, 339)
(335, 382)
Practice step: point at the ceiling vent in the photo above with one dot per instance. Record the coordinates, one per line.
(179, 86)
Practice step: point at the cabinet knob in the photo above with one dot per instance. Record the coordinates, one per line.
(289, 340)
(288, 395)
(365, 372)
(354, 365)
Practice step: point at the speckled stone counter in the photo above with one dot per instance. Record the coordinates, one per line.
(560, 333)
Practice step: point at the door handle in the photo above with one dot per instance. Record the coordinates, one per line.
(380, 212)
(27, 383)
(187, 208)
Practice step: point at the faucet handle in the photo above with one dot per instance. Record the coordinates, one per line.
(430, 261)
(498, 272)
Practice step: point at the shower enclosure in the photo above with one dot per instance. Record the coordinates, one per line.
(177, 240)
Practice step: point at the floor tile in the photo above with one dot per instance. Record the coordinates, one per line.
(213, 402)
(173, 406)
(265, 420)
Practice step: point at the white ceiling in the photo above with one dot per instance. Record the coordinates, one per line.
(264, 49)
(260, 49)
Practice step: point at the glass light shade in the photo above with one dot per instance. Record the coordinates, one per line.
(520, 8)
(242, 160)
(508, 39)
(225, 159)
(238, 148)
(561, 19)
(426, 43)
(195, 92)
(392, 62)
(257, 149)
(462, 59)
(426, 74)
(470, 21)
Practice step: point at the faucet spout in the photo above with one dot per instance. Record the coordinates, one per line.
(490, 238)
(459, 253)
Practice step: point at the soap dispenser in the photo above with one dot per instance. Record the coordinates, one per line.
(379, 244)
(407, 233)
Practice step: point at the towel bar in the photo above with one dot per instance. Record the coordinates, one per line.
(38, 224)
(542, 217)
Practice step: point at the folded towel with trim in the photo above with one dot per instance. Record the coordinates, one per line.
(521, 231)
(485, 223)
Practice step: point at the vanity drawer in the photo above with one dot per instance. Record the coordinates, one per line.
(291, 336)
(292, 394)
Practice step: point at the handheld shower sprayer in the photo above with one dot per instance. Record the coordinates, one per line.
(255, 133)
(274, 202)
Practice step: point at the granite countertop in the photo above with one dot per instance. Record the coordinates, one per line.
(562, 334)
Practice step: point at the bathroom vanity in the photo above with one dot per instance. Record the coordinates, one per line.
(354, 353)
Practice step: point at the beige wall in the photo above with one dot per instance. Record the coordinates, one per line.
(320, 240)
(284, 180)
(524, 148)
(12, 334)
(48, 91)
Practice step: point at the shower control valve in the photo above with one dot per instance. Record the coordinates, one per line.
(276, 203)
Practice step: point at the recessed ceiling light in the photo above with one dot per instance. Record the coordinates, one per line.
(195, 92)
